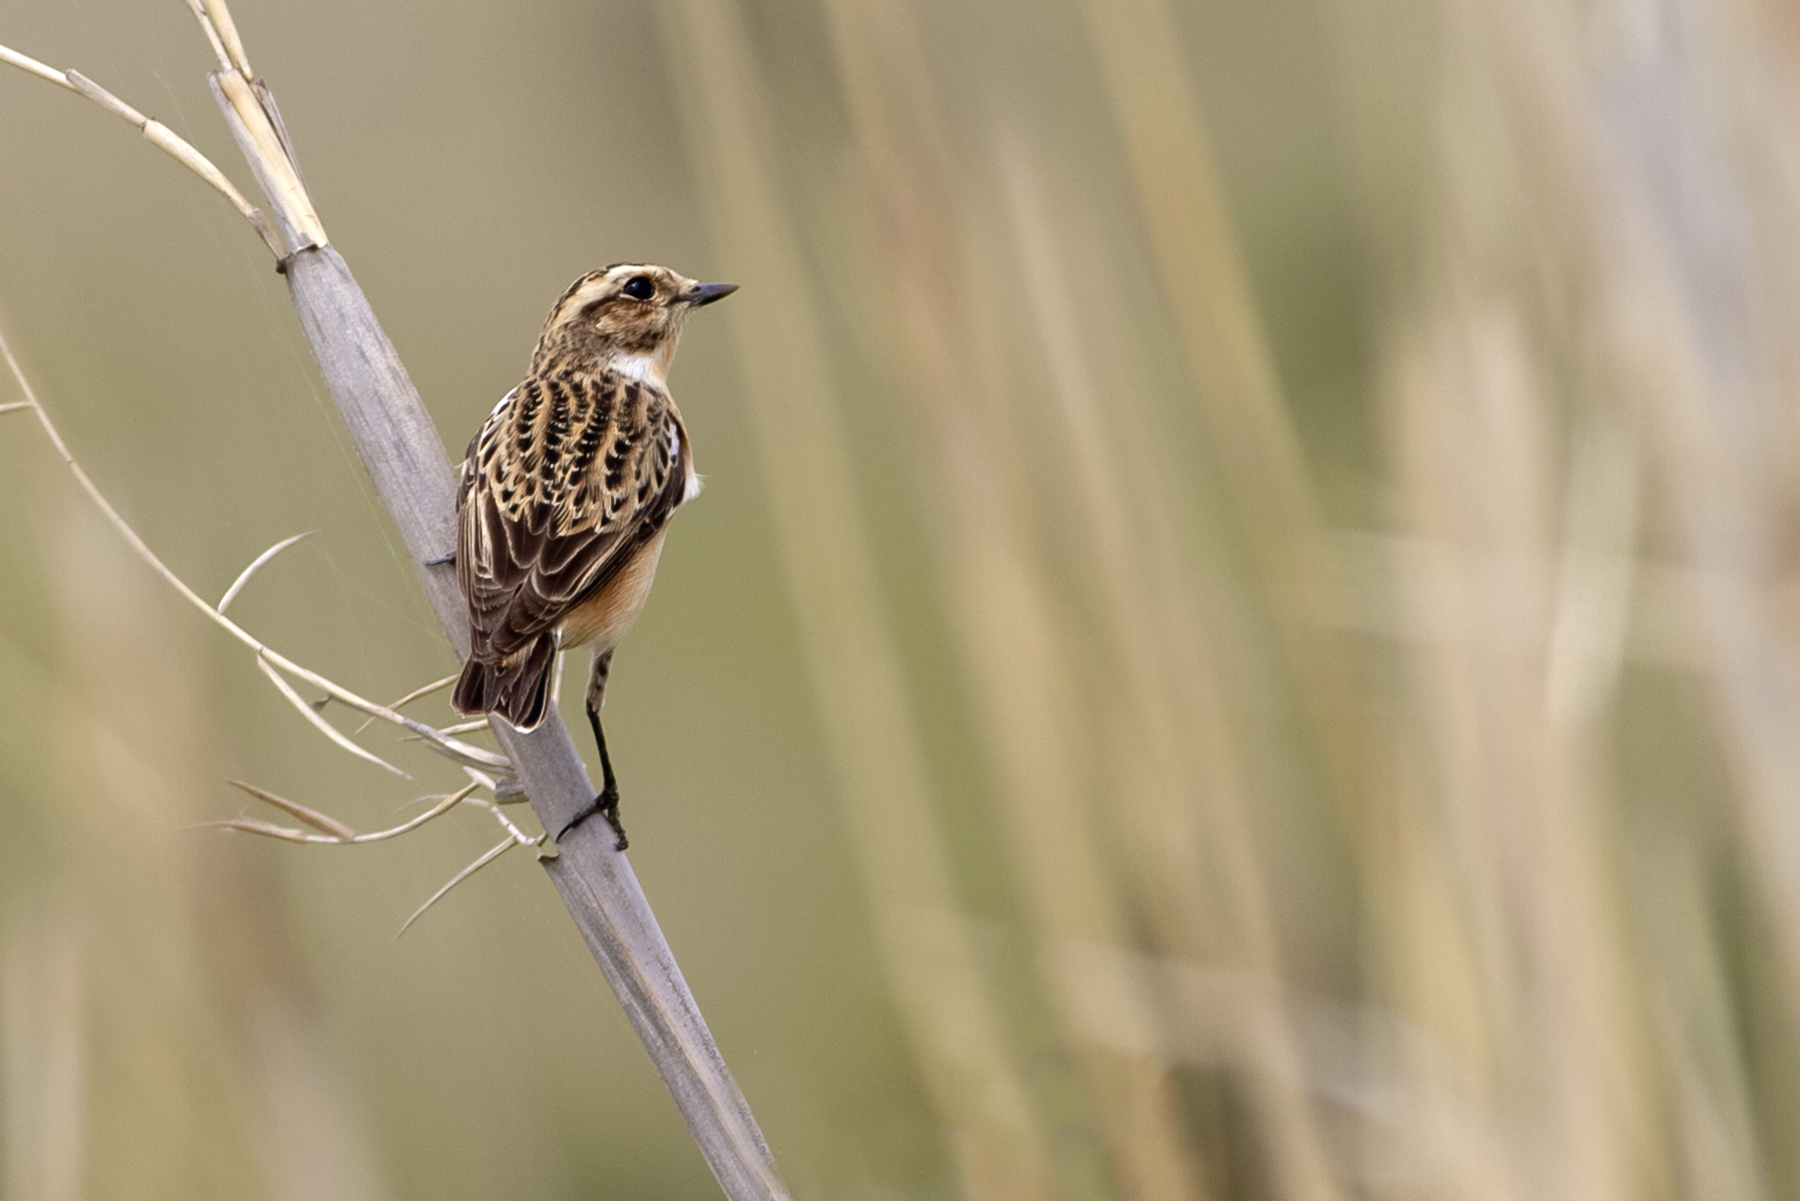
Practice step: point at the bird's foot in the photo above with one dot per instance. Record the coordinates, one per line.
(607, 805)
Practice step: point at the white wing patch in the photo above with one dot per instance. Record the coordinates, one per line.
(694, 482)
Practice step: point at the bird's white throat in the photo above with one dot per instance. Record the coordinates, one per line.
(644, 368)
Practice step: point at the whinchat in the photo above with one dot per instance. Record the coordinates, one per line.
(566, 494)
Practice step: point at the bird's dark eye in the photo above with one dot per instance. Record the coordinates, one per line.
(639, 287)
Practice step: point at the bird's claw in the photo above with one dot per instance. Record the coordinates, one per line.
(606, 804)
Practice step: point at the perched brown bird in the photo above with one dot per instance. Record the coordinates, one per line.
(566, 495)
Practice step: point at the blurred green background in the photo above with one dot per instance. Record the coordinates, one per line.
(1240, 640)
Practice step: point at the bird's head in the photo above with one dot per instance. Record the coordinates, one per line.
(627, 316)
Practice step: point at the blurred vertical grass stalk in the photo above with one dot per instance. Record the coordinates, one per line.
(43, 999)
(1586, 363)
(937, 318)
(1063, 754)
(158, 1040)
(970, 1074)
(1607, 298)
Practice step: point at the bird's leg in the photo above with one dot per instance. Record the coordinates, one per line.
(607, 803)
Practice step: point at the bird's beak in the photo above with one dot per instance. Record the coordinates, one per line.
(701, 294)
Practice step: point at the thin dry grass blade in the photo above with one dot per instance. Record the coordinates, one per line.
(212, 35)
(493, 853)
(312, 817)
(330, 731)
(414, 695)
(268, 157)
(438, 810)
(406, 460)
(105, 99)
(257, 565)
(458, 752)
(155, 132)
(467, 727)
(220, 17)
(31, 65)
(245, 825)
(506, 823)
(335, 832)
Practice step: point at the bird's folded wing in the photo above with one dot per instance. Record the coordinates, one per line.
(522, 575)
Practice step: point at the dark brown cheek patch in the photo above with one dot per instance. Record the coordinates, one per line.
(638, 340)
(628, 328)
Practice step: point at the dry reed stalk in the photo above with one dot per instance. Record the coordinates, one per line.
(412, 475)
(405, 458)
(155, 132)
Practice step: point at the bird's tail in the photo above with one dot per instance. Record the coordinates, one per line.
(517, 688)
